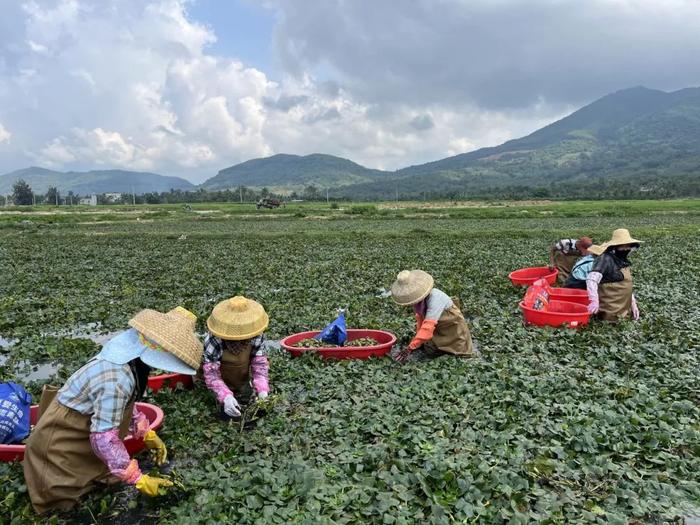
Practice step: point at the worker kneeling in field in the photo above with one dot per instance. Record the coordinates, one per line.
(234, 353)
(564, 253)
(580, 271)
(610, 290)
(440, 325)
(77, 442)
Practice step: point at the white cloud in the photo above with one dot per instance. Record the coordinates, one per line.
(4, 134)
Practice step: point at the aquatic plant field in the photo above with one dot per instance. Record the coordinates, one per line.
(598, 425)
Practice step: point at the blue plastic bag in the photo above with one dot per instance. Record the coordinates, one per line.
(15, 403)
(336, 333)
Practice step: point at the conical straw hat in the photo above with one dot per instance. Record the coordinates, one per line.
(597, 249)
(411, 287)
(237, 319)
(621, 236)
(173, 332)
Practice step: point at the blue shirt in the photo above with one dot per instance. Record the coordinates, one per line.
(583, 267)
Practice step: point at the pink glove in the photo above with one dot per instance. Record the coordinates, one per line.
(260, 370)
(635, 308)
(592, 282)
(214, 382)
(139, 424)
(111, 450)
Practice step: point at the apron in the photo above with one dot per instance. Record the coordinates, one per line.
(565, 263)
(451, 334)
(235, 369)
(59, 464)
(616, 298)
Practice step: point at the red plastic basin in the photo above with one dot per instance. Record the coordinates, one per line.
(572, 295)
(385, 339)
(571, 315)
(527, 276)
(155, 383)
(153, 413)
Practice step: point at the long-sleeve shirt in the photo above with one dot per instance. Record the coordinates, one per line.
(428, 313)
(259, 366)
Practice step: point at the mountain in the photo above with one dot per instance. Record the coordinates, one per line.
(633, 142)
(292, 172)
(88, 182)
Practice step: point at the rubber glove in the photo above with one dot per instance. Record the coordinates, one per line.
(231, 407)
(262, 396)
(403, 355)
(635, 309)
(149, 485)
(592, 282)
(153, 442)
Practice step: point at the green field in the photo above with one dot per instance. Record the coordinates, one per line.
(600, 425)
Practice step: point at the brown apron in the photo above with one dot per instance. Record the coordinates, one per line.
(235, 368)
(564, 262)
(616, 298)
(452, 334)
(59, 464)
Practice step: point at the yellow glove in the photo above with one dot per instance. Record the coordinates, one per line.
(149, 485)
(153, 442)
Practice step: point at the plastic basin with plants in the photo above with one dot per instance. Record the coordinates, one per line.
(171, 381)
(572, 295)
(133, 446)
(374, 343)
(527, 276)
(558, 313)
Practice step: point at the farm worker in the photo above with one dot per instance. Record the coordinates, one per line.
(580, 271)
(564, 253)
(77, 442)
(440, 325)
(234, 353)
(610, 291)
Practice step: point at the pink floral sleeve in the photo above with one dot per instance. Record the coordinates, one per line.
(139, 424)
(212, 378)
(260, 369)
(111, 450)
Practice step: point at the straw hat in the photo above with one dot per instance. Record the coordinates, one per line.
(597, 249)
(237, 319)
(621, 236)
(172, 332)
(411, 287)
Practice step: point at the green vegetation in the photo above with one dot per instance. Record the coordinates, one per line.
(600, 425)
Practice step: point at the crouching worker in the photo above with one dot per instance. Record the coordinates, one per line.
(564, 253)
(580, 271)
(610, 289)
(234, 354)
(77, 442)
(440, 326)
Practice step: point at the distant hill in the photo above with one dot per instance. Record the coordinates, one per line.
(635, 142)
(88, 182)
(292, 172)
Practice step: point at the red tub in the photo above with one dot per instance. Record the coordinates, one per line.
(527, 276)
(155, 383)
(572, 295)
(558, 313)
(153, 413)
(386, 340)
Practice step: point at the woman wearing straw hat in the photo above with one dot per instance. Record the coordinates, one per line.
(440, 326)
(564, 253)
(234, 353)
(580, 271)
(77, 442)
(609, 284)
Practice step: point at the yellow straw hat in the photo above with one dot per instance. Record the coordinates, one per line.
(411, 287)
(173, 332)
(237, 319)
(597, 249)
(621, 236)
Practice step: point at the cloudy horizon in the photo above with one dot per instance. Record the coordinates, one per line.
(187, 88)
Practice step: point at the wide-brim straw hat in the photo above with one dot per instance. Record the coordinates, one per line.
(596, 249)
(411, 287)
(173, 332)
(621, 236)
(237, 319)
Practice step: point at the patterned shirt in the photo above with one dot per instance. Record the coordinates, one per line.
(102, 389)
(566, 246)
(214, 348)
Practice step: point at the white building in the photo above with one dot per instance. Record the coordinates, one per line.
(113, 197)
(89, 201)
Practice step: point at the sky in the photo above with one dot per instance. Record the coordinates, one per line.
(189, 87)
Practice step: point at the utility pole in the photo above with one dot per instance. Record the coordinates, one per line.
(33, 199)
(327, 199)
(133, 196)
(397, 193)
(56, 196)
(240, 192)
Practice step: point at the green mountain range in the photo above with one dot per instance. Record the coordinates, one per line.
(635, 142)
(88, 182)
